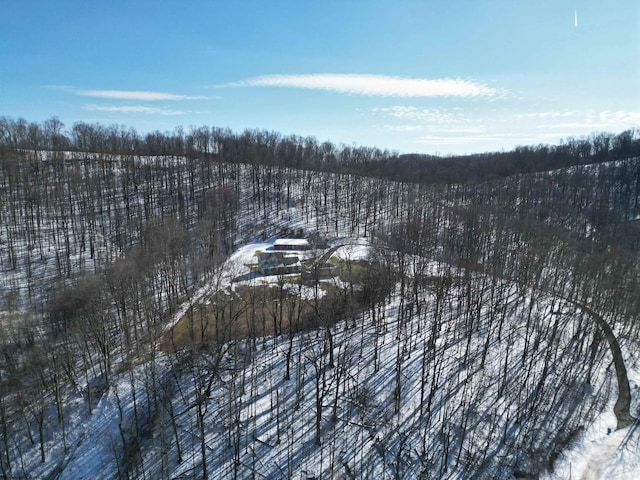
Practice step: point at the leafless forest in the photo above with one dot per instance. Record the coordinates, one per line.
(494, 317)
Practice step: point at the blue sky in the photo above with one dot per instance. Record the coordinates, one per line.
(414, 76)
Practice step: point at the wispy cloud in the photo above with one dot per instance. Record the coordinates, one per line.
(426, 115)
(619, 118)
(404, 128)
(453, 140)
(478, 137)
(135, 109)
(431, 128)
(373, 85)
(564, 114)
(135, 95)
(594, 120)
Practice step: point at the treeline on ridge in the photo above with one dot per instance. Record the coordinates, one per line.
(272, 148)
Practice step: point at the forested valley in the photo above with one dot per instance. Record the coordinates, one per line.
(482, 317)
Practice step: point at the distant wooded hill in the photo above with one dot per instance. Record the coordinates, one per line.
(272, 148)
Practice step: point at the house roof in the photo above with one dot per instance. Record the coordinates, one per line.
(292, 241)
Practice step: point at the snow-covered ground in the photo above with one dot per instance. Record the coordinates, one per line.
(601, 452)
(259, 422)
(477, 383)
(612, 456)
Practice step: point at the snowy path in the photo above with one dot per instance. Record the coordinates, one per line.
(606, 460)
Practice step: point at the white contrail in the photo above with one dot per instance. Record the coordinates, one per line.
(576, 18)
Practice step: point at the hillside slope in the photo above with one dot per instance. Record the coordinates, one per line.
(446, 352)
